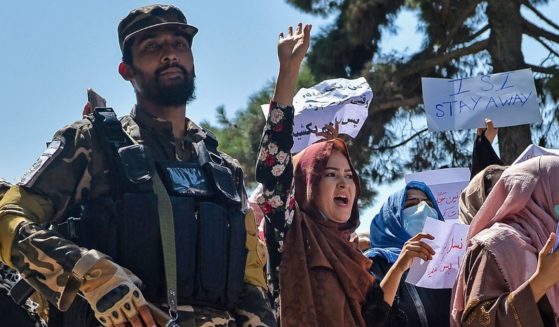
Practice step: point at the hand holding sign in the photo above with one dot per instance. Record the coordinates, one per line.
(336, 100)
(449, 246)
(490, 131)
(415, 248)
(329, 131)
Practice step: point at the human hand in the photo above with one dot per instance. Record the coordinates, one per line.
(548, 264)
(87, 109)
(414, 248)
(293, 47)
(490, 130)
(329, 131)
(114, 297)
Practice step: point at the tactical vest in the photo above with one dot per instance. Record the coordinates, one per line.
(207, 211)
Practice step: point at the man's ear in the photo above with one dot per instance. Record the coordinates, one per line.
(125, 71)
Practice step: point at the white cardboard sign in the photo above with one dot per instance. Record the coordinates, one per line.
(336, 100)
(535, 151)
(449, 245)
(507, 98)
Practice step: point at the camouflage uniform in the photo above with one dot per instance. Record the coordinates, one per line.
(73, 171)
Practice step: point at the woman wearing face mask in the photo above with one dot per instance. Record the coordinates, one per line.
(509, 275)
(399, 224)
(310, 207)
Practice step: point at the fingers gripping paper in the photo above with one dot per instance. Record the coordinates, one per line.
(449, 245)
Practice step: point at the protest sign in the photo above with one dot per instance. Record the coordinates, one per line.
(449, 245)
(507, 98)
(446, 186)
(336, 100)
(535, 151)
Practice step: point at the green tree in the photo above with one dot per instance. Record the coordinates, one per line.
(460, 38)
(239, 136)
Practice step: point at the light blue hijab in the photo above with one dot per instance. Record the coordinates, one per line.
(387, 228)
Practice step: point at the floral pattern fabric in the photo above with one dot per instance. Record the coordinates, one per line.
(274, 170)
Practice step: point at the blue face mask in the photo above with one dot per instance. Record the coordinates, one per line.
(556, 211)
(414, 217)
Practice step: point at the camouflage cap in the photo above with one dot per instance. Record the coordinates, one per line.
(147, 17)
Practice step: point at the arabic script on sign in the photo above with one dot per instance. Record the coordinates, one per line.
(449, 246)
(337, 100)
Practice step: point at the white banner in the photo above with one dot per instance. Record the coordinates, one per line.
(507, 98)
(342, 100)
(449, 245)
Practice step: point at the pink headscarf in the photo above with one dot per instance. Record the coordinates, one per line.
(523, 202)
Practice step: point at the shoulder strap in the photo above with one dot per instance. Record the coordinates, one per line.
(113, 138)
(108, 131)
(418, 304)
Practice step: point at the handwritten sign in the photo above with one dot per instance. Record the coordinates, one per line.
(449, 245)
(508, 99)
(342, 100)
(533, 151)
(446, 186)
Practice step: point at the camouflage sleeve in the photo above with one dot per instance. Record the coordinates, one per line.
(64, 173)
(59, 179)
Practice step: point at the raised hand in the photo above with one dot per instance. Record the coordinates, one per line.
(490, 131)
(293, 47)
(415, 248)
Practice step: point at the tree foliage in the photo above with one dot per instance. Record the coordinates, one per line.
(239, 136)
(460, 38)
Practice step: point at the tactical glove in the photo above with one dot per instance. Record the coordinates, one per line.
(112, 293)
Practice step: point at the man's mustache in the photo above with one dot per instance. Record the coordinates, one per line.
(171, 65)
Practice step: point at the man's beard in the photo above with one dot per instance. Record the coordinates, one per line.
(179, 93)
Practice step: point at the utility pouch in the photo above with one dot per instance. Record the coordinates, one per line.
(213, 252)
(135, 163)
(140, 241)
(223, 181)
(237, 253)
(186, 229)
(221, 176)
(93, 227)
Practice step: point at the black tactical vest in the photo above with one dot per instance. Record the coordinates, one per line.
(208, 219)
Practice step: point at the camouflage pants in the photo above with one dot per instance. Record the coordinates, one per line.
(253, 310)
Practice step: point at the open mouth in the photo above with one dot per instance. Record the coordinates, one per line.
(341, 200)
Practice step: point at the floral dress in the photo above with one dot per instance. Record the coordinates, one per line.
(274, 170)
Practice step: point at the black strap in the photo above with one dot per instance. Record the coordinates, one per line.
(108, 129)
(21, 291)
(418, 304)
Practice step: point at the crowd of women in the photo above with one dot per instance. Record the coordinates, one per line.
(318, 275)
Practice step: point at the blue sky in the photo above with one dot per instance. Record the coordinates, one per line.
(52, 51)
